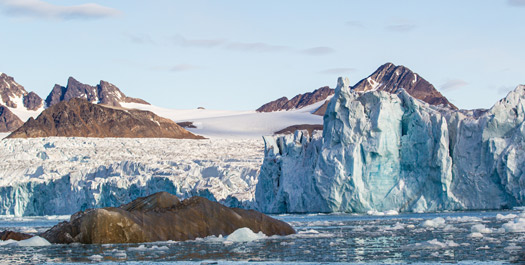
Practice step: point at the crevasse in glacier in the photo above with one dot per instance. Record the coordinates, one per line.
(381, 151)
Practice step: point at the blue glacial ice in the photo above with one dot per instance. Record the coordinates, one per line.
(391, 152)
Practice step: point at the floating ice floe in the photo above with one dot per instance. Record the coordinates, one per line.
(480, 228)
(152, 248)
(435, 244)
(35, 241)
(516, 225)
(387, 213)
(245, 234)
(436, 222)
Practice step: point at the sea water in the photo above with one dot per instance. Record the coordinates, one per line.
(418, 238)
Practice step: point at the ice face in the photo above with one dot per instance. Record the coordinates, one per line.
(45, 176)
(382, 151)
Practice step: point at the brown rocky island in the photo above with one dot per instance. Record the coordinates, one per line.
(161, 217)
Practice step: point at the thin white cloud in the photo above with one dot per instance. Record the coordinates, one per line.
(239, 46)
(42, 9)
(335, 71)
(318, 50)
(516, 2)
(203, 43)
(453, 84)
(400, 25)
(355, 24)
(256, 47)
(184, 67)
(140, 39)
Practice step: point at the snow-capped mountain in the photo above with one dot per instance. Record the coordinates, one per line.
(391, 78)
(383, 151)
(387, 77)
(103, 93)
(19, 104)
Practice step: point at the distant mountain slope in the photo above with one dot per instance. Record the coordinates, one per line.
(16, 104)
(8, 121)
(103, 93)
(13, 95)
(297, 102)
(387, 77)
(390, 78)
(80, 118)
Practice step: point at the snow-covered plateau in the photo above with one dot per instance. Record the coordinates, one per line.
(50, 176)
(391, 152)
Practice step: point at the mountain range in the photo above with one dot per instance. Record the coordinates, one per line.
(278, 116)
(388, 77)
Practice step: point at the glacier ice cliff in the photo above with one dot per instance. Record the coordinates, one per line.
(55, 176)
(381, 151)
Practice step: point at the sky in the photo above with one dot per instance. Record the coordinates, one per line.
(238, 55)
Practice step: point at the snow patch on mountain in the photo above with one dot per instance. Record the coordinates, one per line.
(21, 111)
(49, 176)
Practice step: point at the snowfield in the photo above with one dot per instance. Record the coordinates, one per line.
(48, 176)
(236, 124)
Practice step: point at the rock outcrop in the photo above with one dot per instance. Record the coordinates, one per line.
(383, 151)
(103, 93)
(11, 235)
(80, 118)
(161, 217)
(392, 78)
(310, 128)
(8, 121)
(297, 102)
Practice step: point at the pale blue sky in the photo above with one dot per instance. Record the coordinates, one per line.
(241, 54)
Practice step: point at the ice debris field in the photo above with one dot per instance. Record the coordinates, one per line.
(428, 238)
(50, 176)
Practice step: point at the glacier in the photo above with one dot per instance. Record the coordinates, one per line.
(391, 152)
(58, 175)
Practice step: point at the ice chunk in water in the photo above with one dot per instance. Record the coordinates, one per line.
(245, 234)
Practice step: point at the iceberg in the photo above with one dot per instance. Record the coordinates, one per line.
(381, 151)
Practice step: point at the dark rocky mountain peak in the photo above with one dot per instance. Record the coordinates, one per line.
(103, 93)
(391, 78)
(80, 118)
(13, 94)
(297, 102)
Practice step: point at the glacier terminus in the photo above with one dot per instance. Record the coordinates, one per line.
(383, 151)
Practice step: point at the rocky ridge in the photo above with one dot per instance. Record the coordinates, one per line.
(80, 118)
(8, 121)
(13, 97)
(392, 78)
(103, 93)
(297, 102)
(388, 77)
